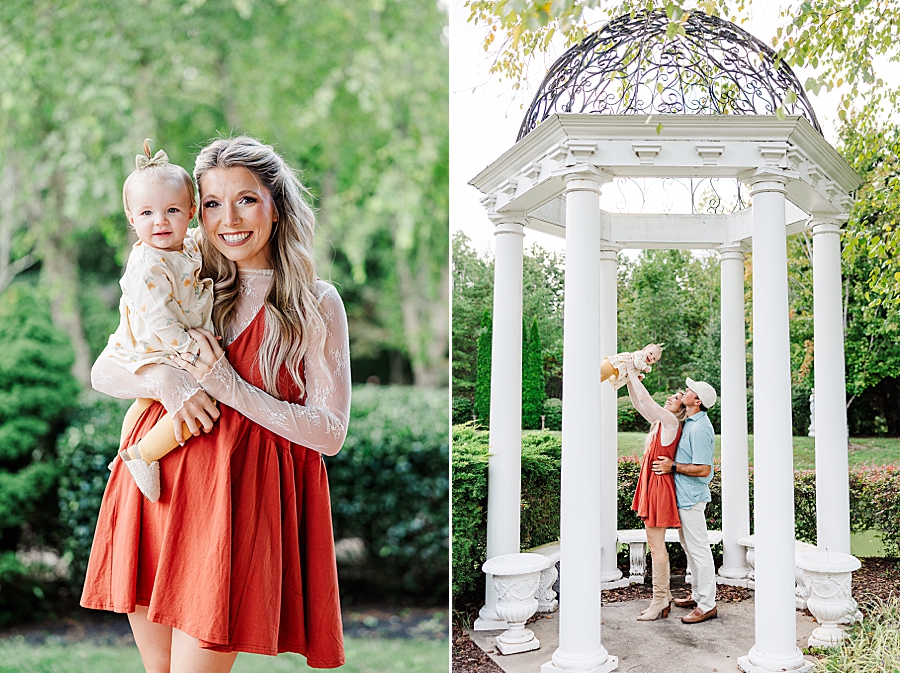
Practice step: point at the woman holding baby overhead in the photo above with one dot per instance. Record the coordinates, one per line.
(654, 497)
(237, 553)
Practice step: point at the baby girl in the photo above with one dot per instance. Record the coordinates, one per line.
(614, 368)
(163, 297)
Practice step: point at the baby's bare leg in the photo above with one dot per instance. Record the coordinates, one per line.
(132, 415)
(158, 442)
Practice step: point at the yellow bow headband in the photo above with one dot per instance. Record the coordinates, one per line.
(145, 161)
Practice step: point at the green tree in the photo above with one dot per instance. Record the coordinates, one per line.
(355, 94)
(533, 384)
(483, 372)
(36, 392)
(473, 287)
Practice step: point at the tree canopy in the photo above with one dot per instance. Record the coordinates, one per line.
(354, 94)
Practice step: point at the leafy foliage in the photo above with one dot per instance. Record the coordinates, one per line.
(353, 93)
(84, 450)
(390, 487)
(36, 392)
(533, 387)
(553, 414)
(482, 405)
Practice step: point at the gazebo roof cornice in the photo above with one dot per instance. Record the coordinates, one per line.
(686, 145)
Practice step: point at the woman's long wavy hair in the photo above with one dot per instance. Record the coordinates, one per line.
(295, 323)
(680, 415)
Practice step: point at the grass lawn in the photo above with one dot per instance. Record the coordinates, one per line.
(364, 655)
(871, 450)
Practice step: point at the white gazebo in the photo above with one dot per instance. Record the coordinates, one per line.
(629, 106)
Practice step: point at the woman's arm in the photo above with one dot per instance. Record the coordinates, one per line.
(177, 390)
(646, 405)
(321, 423)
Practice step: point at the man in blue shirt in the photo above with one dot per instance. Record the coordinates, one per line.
(693, 470)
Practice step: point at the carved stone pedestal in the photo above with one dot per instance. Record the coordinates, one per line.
(828, 576)
(516, 578)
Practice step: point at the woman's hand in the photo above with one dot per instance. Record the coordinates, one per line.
(198, 411)
(210, 351)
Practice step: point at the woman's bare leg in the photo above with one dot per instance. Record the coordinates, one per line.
(189, 657)
(154, 641)
(656, 540)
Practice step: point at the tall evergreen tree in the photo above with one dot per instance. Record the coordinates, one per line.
(533, 384)
(483, 369)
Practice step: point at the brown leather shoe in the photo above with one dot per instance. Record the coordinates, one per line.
(697, 615)
(685, 602)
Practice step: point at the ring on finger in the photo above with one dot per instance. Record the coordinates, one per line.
(194, 359)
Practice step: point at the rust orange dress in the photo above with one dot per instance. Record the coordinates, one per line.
(654, 498)
(238, 551)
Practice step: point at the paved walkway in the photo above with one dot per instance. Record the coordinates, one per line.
(665, 645)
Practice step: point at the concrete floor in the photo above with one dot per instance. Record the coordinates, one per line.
(665, 645)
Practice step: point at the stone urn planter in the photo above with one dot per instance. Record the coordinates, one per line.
(516, 578)
(828, 576)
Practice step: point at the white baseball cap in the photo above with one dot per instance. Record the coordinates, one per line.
(705, 392)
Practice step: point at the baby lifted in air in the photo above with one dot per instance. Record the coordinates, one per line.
(614, 368)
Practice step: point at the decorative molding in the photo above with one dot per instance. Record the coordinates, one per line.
(710, 152)
(583, 149)
(646, 152)
(775, 154)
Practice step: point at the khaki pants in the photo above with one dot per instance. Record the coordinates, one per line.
(695, 541)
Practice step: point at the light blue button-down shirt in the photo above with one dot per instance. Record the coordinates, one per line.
(696, 446)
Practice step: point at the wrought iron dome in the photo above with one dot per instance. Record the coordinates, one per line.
(630, 66)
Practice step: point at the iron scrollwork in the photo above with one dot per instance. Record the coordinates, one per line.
(630, 66)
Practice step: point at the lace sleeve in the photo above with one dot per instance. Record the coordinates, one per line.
(321, 423)
(648, 407)
(169, 385)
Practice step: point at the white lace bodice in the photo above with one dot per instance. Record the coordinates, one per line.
(320, 424)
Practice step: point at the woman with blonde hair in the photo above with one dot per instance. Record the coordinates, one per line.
(654, 498)
(238, 553)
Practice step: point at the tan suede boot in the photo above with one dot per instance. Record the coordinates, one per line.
(659, 606)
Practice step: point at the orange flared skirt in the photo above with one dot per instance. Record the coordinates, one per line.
(238, 551)
(654, 498)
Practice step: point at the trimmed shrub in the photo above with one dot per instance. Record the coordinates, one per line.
(85, 449)
(874, 501)
(462, 410)
(390, 487)
(37, 390)
(533, 384)
(389, 484)
(553, 414)
(483, 369)
(629, 418)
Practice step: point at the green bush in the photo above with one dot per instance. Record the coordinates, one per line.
(629, 418)
(462, 410)
(85, 449)
(800, 415)
(874, 501)
(36, 392)
(390, 484)
(553, 414)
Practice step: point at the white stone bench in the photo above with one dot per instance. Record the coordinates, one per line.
(636, 539)
(637, 549)
(801, 588)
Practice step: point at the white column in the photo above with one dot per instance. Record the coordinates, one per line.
(832, 482)
(776, 627)
(735, 473)
(610, 575)
(505, 465)
(580, 648)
